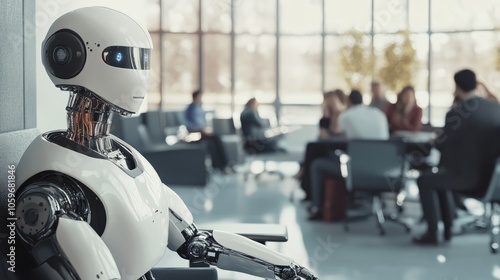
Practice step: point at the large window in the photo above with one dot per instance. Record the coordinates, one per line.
(255, 71)
(300, 64)
(286, 53)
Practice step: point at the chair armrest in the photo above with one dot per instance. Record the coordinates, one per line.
(261, 233)
(181, 273)
(344, 163)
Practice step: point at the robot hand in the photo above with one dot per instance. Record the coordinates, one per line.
(226, 250)
(234, 252)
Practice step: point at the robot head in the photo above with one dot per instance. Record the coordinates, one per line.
(102, 50)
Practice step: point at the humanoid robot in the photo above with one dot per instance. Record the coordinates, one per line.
(89, 206)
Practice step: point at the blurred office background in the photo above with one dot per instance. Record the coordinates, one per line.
(287, 53)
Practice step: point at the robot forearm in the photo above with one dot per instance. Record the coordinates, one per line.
(226, 250)
(233, 252)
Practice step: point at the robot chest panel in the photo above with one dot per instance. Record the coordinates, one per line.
(137, 220)
(135, 206)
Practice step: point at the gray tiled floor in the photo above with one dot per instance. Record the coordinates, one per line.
(326, 248)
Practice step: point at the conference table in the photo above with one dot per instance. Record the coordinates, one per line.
(418, 150)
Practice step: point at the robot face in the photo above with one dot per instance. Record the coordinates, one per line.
(127, 57)
(102, 50)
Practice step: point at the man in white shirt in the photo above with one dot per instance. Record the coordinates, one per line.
(357, 122)
(363, 122)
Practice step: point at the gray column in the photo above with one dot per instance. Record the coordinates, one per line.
(17, 65)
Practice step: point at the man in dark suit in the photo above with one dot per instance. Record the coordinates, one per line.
(469, 145)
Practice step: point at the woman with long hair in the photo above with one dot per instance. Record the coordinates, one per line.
(334, 103)
(405, 114)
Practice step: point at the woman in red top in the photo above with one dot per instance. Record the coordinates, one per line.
(405, 114)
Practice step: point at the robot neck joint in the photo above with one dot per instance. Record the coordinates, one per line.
(89, 120)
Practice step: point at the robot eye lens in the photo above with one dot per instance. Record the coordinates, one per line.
(126, 57)
(61, 54)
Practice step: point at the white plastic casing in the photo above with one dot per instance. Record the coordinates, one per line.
(102, 27)
(91, 259)
(179, 220)
(137, 216)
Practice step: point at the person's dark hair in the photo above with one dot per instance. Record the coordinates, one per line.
(465, 80)
(400, 107)
(250, 102)
(405, 89)
(355, 97)
(196, 94)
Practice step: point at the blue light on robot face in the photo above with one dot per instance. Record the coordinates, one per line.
(119, 57)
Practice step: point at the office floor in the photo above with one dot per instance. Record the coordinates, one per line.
(325, 247)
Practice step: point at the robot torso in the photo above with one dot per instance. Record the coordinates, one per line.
(135, 202)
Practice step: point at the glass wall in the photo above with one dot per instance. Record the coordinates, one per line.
(286, 53)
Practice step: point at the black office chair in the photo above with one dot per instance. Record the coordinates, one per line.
(155, 122)
(492, 197)
(491, 201)
(225, 129)
(172, 121)
(164, 158)
(375, 167)
(265, 157)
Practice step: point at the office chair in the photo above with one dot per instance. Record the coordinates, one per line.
(165, 158)
(265, 158)
(490, 221)
(376, 167)
(155, 123)
(492, 197)
(225, 129)
(173, 120)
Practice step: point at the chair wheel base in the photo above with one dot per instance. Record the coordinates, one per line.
(494, 246)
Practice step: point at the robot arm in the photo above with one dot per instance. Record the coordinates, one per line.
(226, 250)
(62, 244)
(230, 251)
(75, 251)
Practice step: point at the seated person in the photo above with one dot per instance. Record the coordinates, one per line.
(469, 145)
(378, 96)
(253, 128)
(334, 103)
(357, 122)
(195, 121)
(405, 115)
